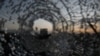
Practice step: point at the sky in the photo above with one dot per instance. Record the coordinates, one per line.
(9, 24)
(40, 23)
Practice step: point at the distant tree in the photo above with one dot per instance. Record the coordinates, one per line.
(69, 6)
(36, 28)
(90, 8)
(62, 25)
(2, 22)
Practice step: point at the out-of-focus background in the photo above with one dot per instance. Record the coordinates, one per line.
(49, 27)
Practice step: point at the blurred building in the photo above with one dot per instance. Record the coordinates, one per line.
(44, 31)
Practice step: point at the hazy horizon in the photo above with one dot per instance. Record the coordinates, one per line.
(41, 23)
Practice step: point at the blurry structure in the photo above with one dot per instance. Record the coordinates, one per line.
(43, 34)
(44, 31)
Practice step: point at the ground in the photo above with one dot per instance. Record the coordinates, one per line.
(58, 44)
